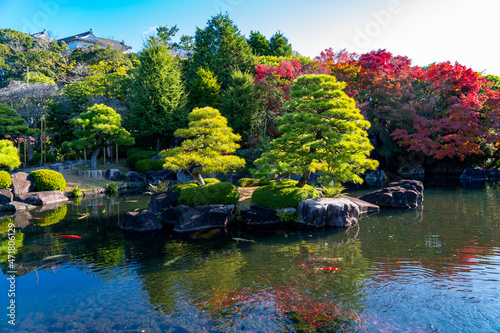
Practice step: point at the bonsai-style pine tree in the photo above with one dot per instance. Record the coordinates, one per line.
(208, 146)
(9, 155)
(11, 122)
(96, 128)
(324, 132)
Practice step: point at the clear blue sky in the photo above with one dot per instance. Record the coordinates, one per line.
(424, 30)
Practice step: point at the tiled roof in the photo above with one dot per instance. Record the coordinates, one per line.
(89, 37)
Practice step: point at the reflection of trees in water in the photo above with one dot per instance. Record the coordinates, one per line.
(451, 226)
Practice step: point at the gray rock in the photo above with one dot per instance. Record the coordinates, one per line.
(6, 196)
(113, 175)
(22, 183)
(205, 217)
(17, 206)
(184, 176)
(21, 218)
(474, 174)
(161, 201)
(170, 216)
(321, 212)
(42, 198)
(405, 194)
(136, 178)
(161, 175)
(412, 171)
(140, 221)
(365, 207)
(259, 216)
(287, 210)
(157, 157)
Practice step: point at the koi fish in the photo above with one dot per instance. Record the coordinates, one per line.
(99, 205)
(36, 218)
(326, 259)
(330, 269)
(130, 200)
(82, 216)
(243, 240)
(69, 236)
(56, 257)
(170, 262)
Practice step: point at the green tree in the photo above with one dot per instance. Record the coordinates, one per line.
(157, 95)
(204, 89)
(98, 127)
(222, 48)
(259, 44)
(324, 132)
(240, 104)
(11, 122)
(279, 46)
(9, 154)
(208, 146)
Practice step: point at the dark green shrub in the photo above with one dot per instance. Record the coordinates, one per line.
(282, 194)
(72, 156)
(140, 155)
(48, 180)
(133, 150)
(37, 156)
(145, 165)
(210, 194)
(112, 188)
(250, 182)
(5, 180)
(179, 187)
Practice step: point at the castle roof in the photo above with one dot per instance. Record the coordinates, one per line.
(90, 38)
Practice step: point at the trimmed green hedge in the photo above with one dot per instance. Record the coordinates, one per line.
(179, 187)
(283, 194)
(5, 180)
(48, 180)
(133, 151)
(37, 156)
(140, 155)
(251, 182)
(212, 193)
(145, 165)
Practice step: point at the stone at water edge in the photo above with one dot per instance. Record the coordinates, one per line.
(22, 183)
(405, 194)
(140, 221)
(113, 175)
(161, 201)
(6, 196)
(335, 212)
(136, 178)
(42, 198)
(170, 216)
(259, 216)
(161, 175)
(205, 217)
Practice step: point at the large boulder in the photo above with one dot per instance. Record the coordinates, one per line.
(136, 178)
(170, 216)
(6, 196)
(161, 175)
(365, 207)
(321, 212)
(205, 217)
(163, 200)
(22, 183)
(113, 175)
(16, 206)
(140, 221)
(405, 194)
(42, 198)
(259, 216)
(474, 174)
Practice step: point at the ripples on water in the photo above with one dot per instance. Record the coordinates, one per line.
(434, 269)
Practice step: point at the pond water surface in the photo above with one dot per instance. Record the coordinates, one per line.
(433, 269)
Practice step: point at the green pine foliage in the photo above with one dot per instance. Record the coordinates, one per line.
(204, 89)
(11, 122)
(222, 48)
(324, 132)
(5, 180)
(208, 147)
(283, 194)
(251, 182)
(240, 104)
(48, 180)
(140, 155)
(215, 193)
(157, 96)
(9, 155)
(96, 128)
(38, 156)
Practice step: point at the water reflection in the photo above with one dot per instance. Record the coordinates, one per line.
(434, 268)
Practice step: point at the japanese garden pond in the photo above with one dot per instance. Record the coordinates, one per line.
(433, 269)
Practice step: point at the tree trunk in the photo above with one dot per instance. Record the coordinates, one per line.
(93, 159)
(197, 175)
(303, 180)
(158, 143)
